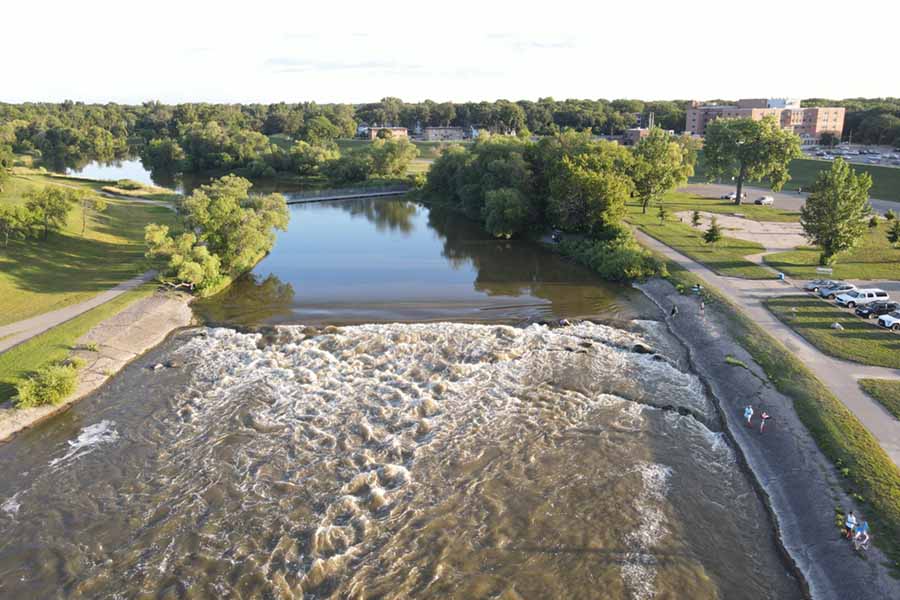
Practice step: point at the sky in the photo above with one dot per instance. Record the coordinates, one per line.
(352, 51)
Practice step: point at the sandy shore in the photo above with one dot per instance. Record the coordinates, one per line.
(119, 340)
(798, 483)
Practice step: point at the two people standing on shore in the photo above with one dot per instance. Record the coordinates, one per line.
(748, 415)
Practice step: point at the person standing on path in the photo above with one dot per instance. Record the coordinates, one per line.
(702, 307)
(748, 414)
(764, 417)
(674, 311)
(850, 525)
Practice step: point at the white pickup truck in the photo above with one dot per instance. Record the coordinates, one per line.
(862, 296)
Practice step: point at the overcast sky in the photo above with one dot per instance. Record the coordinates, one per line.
(350, 51)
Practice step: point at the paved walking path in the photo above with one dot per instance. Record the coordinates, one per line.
(839, 376)
(20, 331)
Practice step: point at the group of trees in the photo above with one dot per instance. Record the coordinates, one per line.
(224, 231)
(46, 210)
(570, 181)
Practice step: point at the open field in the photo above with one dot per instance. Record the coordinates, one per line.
(39, 275)
(885, 180)
(148, 192)
(860, 341)
(886, 391)
(55, 344)
(868, 473)
(874, 258)
(725, 258)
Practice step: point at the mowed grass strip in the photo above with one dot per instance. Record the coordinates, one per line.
(681, 201)
(725, 258)
(885, 391)
(37, 275)
(860, 340)
(867, 471)
(874, 258)
(56, 344)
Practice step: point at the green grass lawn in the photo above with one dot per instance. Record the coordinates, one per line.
(874, 258)
(680, 201)
(725, 258)
(860, 341)
(37, 276)
(148, 192)
(885, 391)
(55, 345)
(885, 180)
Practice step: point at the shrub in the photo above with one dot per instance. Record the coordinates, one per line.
(873, 222)
(890, 215)
(49, 385)
(129, 184)
(618, 258)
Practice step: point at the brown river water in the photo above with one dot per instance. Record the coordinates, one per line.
(407, 457)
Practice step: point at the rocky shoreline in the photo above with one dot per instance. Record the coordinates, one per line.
(118, 340)
(797, 482)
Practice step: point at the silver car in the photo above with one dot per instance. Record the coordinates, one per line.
(816, 284)
(839, 287)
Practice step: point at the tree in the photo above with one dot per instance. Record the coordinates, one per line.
(506, 212)
(893, 233)
(873, 222)
(695, 218)
(829, 139)
(714, 233)
(660, 165)
(662, 214)
(319, 131)
(890, 215)
(15, 222)
(7, 158)
(835, 214)
(189, 263)
(588, 195)
(50, 206)
(744, 149)
(391, 157)
(307, 159)
(88, 202)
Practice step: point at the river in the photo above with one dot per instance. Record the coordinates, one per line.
(439, 443)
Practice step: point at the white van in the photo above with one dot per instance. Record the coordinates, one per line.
(862, 296)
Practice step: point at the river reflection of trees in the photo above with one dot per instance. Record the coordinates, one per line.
(251, 300)
(394, 215)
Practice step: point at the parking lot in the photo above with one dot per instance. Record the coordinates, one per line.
(884, 156)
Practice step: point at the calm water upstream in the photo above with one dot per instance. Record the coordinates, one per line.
(399, 456)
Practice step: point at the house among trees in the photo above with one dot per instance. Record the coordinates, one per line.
(438, 134)
(393, 132)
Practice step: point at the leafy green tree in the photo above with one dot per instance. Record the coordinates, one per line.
(164, 154)
(6, 162)
(829, 139)
(307, 159)
(660, 165)
(89, 203)
(236, 226)
(873, 222)
(695, 219)
(835, 214)
(349, 168)
(588, 196)
(713, 234)
(189, 263)
(893, 233)
(15, 222)
(745, 149)
(390, 158)
(890, 215)
(319, 131)
(50, 206)
(506, 212)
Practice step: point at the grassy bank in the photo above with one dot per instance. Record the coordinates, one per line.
(867, 471)
(55, 345)
(885, 391)
(885, 180)
(860, 340)
(37, 276)
(725, 258)
(874, 258)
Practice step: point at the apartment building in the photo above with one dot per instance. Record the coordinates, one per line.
(435, 134)
(809, 122)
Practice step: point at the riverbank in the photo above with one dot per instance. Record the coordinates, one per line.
(799, 484)
(106, 349)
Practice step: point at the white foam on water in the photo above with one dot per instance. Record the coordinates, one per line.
(12, 505)
(88, 440)
(639, 570)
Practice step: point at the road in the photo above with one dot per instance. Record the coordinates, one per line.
(786, 200)
(21, 331)
(837, 375)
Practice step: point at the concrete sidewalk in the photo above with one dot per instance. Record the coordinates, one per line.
(839, 376)
(20, 331)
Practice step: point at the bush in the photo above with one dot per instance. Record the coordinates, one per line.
(49, 385)
(873, 222)
(129, 184)
(619, 258)
(890, 215)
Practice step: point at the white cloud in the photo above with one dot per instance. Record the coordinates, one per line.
(354, 51)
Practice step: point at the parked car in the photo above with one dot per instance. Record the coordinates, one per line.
(890, 321)
(765, 200)
(876, 309)
(839, 287)
(860, 297)
(816, 284)
(733, 196)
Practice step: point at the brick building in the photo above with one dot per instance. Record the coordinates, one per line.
(809, 123)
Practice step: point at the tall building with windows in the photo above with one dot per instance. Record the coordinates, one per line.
(809, 122)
